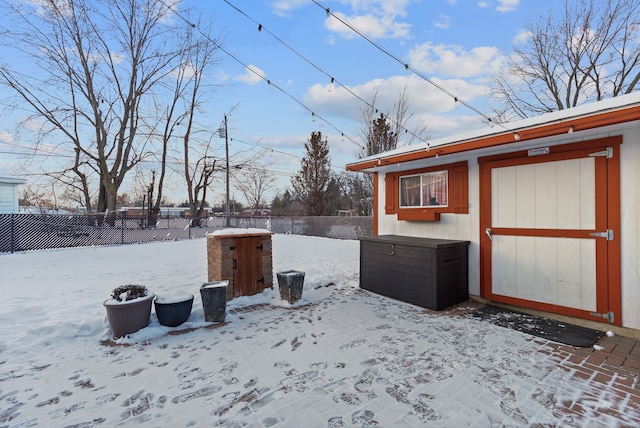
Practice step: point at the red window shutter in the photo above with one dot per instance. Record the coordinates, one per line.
(391, 193)
(460, 188)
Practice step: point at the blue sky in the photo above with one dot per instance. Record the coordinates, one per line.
(456, 43)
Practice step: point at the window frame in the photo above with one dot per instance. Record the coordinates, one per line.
(457, 189)
(421, 190)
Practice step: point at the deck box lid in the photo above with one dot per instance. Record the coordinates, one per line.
(414, 241)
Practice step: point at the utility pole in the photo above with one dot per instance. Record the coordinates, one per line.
(226, 143)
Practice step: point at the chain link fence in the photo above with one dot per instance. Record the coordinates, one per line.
(27, 232)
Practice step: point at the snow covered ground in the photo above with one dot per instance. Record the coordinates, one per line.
(339, 357)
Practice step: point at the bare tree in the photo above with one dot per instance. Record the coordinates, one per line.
(201, 175)
(102, 67)
(395, 122)
(359, 191)
(590, 51)
(382, 131)
(254, 183)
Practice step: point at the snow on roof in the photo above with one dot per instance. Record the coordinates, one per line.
(11, 180)
(585, 110)
(240, 231)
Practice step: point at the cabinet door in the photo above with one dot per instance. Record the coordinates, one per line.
(247, 276)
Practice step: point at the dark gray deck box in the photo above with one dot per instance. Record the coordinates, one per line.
(431, 273)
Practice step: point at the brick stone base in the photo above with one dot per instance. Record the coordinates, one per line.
(230, 258)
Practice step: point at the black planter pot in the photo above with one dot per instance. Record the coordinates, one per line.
(172, 314)
(214, 300)
(290, 283)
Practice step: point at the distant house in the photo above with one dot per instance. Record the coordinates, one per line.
(256, 212)
(549, 204)
(9, 194)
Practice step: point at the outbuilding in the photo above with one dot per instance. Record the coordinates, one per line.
(9, 194)
(549, 205)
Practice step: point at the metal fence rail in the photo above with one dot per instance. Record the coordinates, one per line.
(26, 232)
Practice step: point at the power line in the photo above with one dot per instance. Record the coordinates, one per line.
(36, 153)
(271, 149)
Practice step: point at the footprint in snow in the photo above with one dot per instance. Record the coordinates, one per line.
(349, 398)
(278, 344)
(336, 422)
(364, 418)
(318, 366)
(379, 327)
(296, 342)
(250, 383)
(204, 392)
(353, 344)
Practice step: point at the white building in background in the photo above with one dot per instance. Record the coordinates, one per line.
(9, 194)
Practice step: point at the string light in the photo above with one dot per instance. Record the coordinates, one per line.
(406, 66)
(332, 79)
(252, 70)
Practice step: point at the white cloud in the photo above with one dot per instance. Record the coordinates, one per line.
(44, 7)
(484, 4)
(284, 8)
(186, 70)
(424, 98)
(507, 5)
(373, 26)
(522, 37)
(251, 76)
(443, 22)
(375, 18)
(443, 126)
(6, 137)
(428, 105)
(454, 61)
(221, 76)
(389, 7)
(32, 124)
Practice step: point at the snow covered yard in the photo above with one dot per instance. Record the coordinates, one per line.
(339, 357)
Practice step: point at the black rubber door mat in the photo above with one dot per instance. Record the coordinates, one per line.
(538, 326)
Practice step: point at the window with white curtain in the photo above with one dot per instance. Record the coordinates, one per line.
(425, 190)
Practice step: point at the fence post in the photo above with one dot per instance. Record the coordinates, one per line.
(12, 234)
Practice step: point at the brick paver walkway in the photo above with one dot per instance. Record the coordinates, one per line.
(614, 364)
